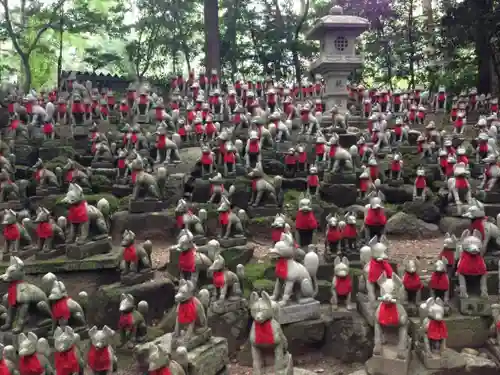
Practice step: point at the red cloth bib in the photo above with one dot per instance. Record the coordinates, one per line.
(483, 147)
(229, 158)
(213, 186)
(210, 128)
(44, 230)
(395, 166)
(333, 151)
(11, 232)
(320, 148)
(449, 254)
(186, 312)
(187, 260)
(77, 213)
(224, 218)
(377, 268)
(350, 231)
(206, 159)
(437, 330)
(343, 285)
(69, 176)
(374, 172)
(398, 130)
(439, 281)
(412, 282)
(182, 131)
(302, 157)
(263, 333)
(281, 268)
(276, 234)
(124, 108)
(161, 141)
(363, 185)
(30, 365)
(306, 220)
(4, 369)
(375, 217)
(478, 224)
(121, 163)
(463, 159)
(77, 108)
(99, 359)
(161, 371)
(218, 279)
(290, 160)
(60, 309)
(388, 314)
(66, 363)
(133, 138)
(420, 182)
(14, 124)
(253, 147)
(126, 321)
(333, 235)
(461, 183)
(180, 221)
(471, 264)
(254, 185)
(48, 128)
(313, 180)
(12, 292)
(133, 176)
(130, 254)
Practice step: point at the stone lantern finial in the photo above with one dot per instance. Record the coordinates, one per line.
(336, 9)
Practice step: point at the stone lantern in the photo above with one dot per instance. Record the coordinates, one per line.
(337, 34)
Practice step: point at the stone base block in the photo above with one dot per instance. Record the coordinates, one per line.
(492, 209)
(121, 190)
(200, 240)
(449, 359)
(490, 197)
(389, 363)
(58, 251)
(407, 149)
(476, 306)
(232, 242)
(297, 312)
(47, 190)
(102, 165)
(226, 306)
(233, 323)
(210, 358)
(146, 205)
(263, 211)
(366, 308)
(11, 205)
(456, 211)
(198, 339)
(88, 249)
(133, 278)
(340, 178)
(463, 331)
(23, 253)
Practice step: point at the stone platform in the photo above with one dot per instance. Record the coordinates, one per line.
(297, 312)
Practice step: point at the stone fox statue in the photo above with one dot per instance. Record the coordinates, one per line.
(226, 282)
(132, 324)
(33, 355)
(22, 298)
(14, 233)
(101, 357)
(83, 218)
(8, 358)
(261, 187)
(47, 231)
(232, 224)
(68, 358)
(43, 176)
(293, 279)
(135, 258)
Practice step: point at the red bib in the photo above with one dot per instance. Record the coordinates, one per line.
(48, 128)
(306, 221)
(30, 365)
(412, 282)
(161, 142)
(374, 172)
(130, 254)
(377, 269)
(350, 231)
(60, 309)
(461, 183)
(343, 285)
(133, 176)
(388, 314)
(218, 279)
(471, 264)
(224, 218)
(395, 166)
(333, 151)
(363, 185)
(253, 147)
(4, 369)
(439, 281)
(290, 160)
(302, 157)
(12, 292)
(66, 363)
(187, 260)
(99, 359)
(263, 333)
(449, 254)
(126, 321)
(11, 232)
(420, 182)
(206, 159)
(334, 234)
(44, 230)
(229, 158)
(276, 234)
(121, 163)
(320, 148)
(281, 268)
(478, 224)
(161, 371)
(77, 213)
(375, 217)
(69, 176)
(437, 330)
(186, 312)
(313, 180)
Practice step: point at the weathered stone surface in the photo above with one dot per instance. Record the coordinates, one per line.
(341, 195)
(105, 302)
(233, 325)
(210, 358)
(409, 225)
(88, 249)
(397, 194)
(388, 363)
(426, 211)
(296, 312)
(349, 338)
(273, 167)
(453, 225)
(144, 225)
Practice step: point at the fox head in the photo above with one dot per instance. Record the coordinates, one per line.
(27, 344)
(378, 248)
(411, 265)
(38, 165)
(390, 288)
(70, 164)
(441, 265)
(279, 221)
(58, 291)
(15, 270)
(305, 203)
(65, 339)
(341, 267)
(332, 221)
(101, 338)
(182, 207)
(42, 215)
(433, 308)
(450, 241)
(185, 292)
(158, 357)
(262, 308)
(128, 238)
(127, 303)
(283, 248)
(9, 217)
(475, 211)
(74, 195)
(224, 205)
(218, 265)
(350, 218)
(472, 243)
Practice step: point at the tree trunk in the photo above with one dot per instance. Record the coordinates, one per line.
(59, 58)
(412, 45)
(212, 37)
(25, 61)
(483, 55)
(185, 50)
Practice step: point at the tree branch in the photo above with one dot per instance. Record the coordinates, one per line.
(50, 24)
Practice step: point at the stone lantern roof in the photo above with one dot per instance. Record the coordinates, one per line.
(336, 20)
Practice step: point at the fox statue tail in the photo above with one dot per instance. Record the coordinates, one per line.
(311, 263)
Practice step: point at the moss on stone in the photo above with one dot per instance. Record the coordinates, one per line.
(263, 285)
(100, 183)
(59, 161)
(262, 220)
(291, 197)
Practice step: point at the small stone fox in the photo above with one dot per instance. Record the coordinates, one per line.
(22, 298)
(43, 176)
(144, 182)
(190, 311)
(14, 233)
(67, 357)
(48, 232)
(433, 326)
(8, 358)
(33, 355)
(266, 333)
(261, 188)
(159, 358)
(132, 324)
(101, 357)
(134, 258)
(226, 282)
(231, 223)
(65, 310)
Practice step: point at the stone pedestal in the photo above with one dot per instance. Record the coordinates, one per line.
(388, 363)
(449, 359)
(23, 253)
(88, 249)
(133, 278)
(297, 312)
(11, 205)
(208, 359)
(476, 306)
(232, 241)
(146, 205)
(340, 178)
(263, 210)
(229, 319)
(57, 251)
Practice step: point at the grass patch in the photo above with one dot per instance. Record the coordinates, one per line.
(263, 285)
(59, 161)
(291, 197)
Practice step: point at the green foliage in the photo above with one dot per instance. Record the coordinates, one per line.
(59, 161)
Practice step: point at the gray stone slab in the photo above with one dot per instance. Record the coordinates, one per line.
(389, 363)
(88, 249)
(210, 358)
(298, 312)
